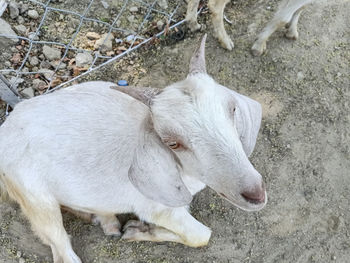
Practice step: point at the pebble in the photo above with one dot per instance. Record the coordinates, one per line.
(28, 92)
(56, 62)
(23, 8)
(300, 76)
(8, 64)
(34, 61)
(31, 35)
(45, 64)
(16, 81)
(39, 84)
(14, 11)
(134, 9)
(21, 29)
(105, 45)
(21, 260)
(6, 29)
(160, 25)
(33, 14)
(47, 73)
(51, 53)
(129, 38)
(104, 4)
(93, 35)
(83, 60)
(131, 18)
(163, 4)
(20, 20)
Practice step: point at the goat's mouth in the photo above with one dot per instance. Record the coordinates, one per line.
(247, 204)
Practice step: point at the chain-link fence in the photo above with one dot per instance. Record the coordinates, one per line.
(46, 44)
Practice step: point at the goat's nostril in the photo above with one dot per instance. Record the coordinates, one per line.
(255, 197)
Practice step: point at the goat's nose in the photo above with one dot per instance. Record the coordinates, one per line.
(255, 195)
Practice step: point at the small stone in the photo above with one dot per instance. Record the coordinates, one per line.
(134, 9)
(300, 76)
(34, 61)
(56, 63)
(21, 29)
(31, 35)
(47, 73)
(6, 29)
(51, 53)
(28, 92)
(160, 25)
(105, 43)
(8, 64)
(39, 84)
(92, 35)
(131, 18)
(45, 64)
(21, 260)
(19, 254)
(35, 69)
(24, 8)
(20, 20)
(104, 4)
(163, 4)
(130, 38)
(83, 60)
(33, 14)
(14, 11)
(16, 81)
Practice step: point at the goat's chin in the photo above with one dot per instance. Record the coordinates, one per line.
(244, 204)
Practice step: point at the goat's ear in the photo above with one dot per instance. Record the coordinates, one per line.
(248, 119)
(197, 62)
(145, 95)
(156, 173)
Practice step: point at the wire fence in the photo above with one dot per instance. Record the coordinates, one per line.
(52, 33)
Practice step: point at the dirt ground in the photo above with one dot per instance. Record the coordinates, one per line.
(303, 148)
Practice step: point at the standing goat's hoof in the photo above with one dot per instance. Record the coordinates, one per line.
(258, 48)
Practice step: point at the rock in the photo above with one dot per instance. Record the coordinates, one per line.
(23, 8)
(20, 20)
(6, 29)
(55, 63)
(105, 43)
(34, 61)
(162, 4)
(104, 4)
(7, 64)
(93, 35)
(39, 84)
(51, 53)
(300, 76)
(21, 260)
(83, 59)
(134, 9)
(131, 18)
(16, 81)
(33, 14)
(47, 73)
(160, 25)
(28, 92)
(45, 64)
(14, 11)
(130, 38)
(21, 29)
(31, 35)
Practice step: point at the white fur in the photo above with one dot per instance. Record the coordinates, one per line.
(97, 150)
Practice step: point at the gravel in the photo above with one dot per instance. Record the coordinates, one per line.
(51, 53)
(83, 60)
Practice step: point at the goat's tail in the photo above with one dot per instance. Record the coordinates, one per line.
(4, 196)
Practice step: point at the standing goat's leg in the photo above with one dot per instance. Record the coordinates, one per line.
(292, 29)
(217, 10)
(191, 15)
(176, 225)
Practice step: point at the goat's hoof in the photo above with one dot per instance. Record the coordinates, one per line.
(133, 229)
(112, 230)
(292, 35)
(194, 26)
(258, 48)
(226, 43)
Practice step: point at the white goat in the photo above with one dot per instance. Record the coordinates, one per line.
(101, 151)
(287, 15)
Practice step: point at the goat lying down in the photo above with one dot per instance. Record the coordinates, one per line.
(287, 16)
(104, 151)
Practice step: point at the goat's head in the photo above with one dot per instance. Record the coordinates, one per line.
(210, 131)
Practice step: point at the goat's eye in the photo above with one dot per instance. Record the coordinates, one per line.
(174, 145)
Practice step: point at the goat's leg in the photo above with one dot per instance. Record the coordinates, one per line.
(46, 220)
(292, 31)
(217, 8)
(176, 225)
(191, 15)
(109, 223)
